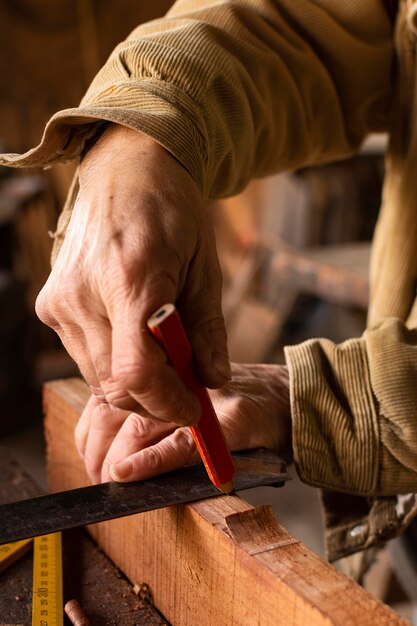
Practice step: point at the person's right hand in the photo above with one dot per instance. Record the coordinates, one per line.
(139, 236)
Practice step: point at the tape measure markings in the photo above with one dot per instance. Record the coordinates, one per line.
(11, 552)
(47, 602)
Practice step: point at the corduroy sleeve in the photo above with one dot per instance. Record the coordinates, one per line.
(354, 411)
(236, 89)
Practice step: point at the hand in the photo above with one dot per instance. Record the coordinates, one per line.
(139, 236)
(253, 409)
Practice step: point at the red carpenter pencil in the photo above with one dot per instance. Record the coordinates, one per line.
(167, 328)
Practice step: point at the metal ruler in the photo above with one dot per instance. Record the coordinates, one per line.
(87, 505)
(42, 517)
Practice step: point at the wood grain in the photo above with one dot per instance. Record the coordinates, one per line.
(88, 575)
(216, 562)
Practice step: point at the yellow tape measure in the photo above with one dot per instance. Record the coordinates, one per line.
(47, 609)
(11, 552)
(47, 600)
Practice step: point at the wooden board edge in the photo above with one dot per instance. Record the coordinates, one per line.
(198, 555)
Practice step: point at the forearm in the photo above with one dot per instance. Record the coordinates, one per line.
(236, 90)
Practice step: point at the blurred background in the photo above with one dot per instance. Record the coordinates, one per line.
(294, 248)
(50, 51)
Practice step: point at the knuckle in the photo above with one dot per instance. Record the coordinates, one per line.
(43, 308)
(100, 417)
(98, 393)
(65, 293)
(216, 324)
(140, 427)
(70, 296)
(154, 460)
(119, 397)
(60, 300)
(124, 369)
(183, 441)
(132, 375)
(113, 390)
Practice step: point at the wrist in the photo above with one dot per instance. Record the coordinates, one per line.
(116, 149)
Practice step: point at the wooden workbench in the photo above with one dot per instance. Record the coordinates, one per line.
(88, 575)
(218, 562)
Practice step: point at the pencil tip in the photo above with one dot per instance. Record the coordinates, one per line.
(227, 488)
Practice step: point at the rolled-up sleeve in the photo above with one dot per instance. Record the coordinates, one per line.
(354, 410)
(236, 89)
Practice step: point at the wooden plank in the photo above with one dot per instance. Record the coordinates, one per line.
(89, 576)
(217, 561)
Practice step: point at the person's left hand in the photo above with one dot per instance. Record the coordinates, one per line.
(253, 409)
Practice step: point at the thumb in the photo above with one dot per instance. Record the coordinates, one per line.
(172, 452)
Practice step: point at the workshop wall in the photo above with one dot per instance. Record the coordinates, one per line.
(49, 52)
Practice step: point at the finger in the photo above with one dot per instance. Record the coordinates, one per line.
(105, 423)
(201, 312)
(83, 425)
(136, 433)
(172, 452)
(102, 383)
(140, 366)
(87, 340)
(97, 333)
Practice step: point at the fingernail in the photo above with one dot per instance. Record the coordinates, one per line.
(121, 470)
(222, 365)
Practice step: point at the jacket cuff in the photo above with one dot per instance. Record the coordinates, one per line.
(165, 113)
(335, 427)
